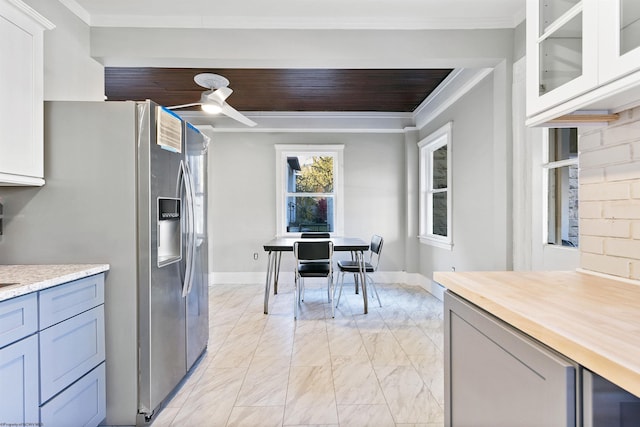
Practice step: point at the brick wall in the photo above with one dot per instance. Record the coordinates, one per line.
(610, 197)
(574, 212)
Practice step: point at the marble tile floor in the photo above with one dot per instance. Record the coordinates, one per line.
(381, 369)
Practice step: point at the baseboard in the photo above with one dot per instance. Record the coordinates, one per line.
(286, 277)
(237, 278)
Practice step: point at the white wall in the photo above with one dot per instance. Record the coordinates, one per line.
(242, 194)
(70, 74)
(479, 194)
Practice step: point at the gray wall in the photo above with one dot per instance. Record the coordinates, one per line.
(243, 193)
(85, 213)
(70, 74)
(479, 242)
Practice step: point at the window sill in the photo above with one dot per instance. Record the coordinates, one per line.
(438, 243)
(553, 247)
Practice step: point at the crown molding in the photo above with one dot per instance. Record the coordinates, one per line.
(305, 122)
(300, 22)
(77, 10)
(454, 87)
(33, 14)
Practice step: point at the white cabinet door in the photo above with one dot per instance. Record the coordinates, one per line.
(561, 51)
(619, 36)
(21, 86)
(19, 383)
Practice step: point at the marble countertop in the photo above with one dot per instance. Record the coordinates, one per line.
(592, 320)
(16, 280)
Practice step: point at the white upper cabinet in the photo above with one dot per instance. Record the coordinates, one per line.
(620, 44)
(21, 89)
(581, 55)
(559, 64)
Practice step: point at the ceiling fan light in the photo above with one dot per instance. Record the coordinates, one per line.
(211, 108)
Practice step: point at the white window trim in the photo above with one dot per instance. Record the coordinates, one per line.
(544, 238)
(285, 150)
(428, 145)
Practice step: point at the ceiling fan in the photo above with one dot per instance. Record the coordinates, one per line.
(213, 101)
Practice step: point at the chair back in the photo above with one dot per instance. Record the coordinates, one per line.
(376, 249)
(313, 250)
(315, 235)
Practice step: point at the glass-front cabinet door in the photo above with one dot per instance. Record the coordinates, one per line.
(619, 38)
(561, 51)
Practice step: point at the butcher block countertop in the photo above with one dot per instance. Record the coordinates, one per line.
(592, 320)
(16, 280)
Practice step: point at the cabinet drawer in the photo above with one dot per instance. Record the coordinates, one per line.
(18, 318)
(65, 301)
(70, 349)
(19, 383)
(82, 404)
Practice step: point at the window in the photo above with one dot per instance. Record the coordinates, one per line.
(435, 188)
(309, 188)
(561, 187)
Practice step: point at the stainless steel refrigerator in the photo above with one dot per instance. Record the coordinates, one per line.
(126, 185)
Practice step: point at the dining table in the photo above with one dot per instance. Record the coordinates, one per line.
(275, 247)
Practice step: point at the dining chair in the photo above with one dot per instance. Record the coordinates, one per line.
(313, 235)
(370, 266)
(314, 258)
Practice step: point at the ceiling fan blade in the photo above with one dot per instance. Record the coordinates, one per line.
(229, 111)
(175, 107)
(220, 94)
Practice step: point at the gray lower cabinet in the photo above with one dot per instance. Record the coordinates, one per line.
(82, 404)
(19, 360)
(19, 382)
(72, 353)
(52, 356)
(496, 376)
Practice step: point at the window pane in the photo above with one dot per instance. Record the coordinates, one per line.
(314, 174)
(563, 144)
(439, 222)
(440, 168)
(310, 214)
(563, 206)
(293, 170)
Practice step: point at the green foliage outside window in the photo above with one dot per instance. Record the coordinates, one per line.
(316, 177)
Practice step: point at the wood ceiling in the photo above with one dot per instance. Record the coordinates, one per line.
(340, 90)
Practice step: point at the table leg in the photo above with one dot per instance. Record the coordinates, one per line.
(363, 273)
(276, 273)
(267, 283)
(356, 281)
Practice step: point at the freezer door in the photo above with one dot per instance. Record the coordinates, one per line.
(161, 322)
(198, 297)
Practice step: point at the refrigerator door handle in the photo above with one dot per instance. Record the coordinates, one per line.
(188, 220)
(191, 230)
